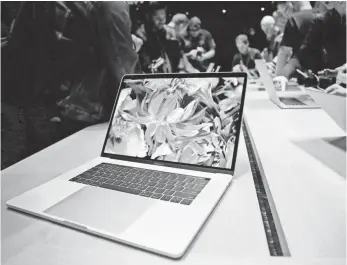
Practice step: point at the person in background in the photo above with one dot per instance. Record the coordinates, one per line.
(285, 9)
(297, 27)
(200, 47)
(113, 57)
(273, 37)
(160, 50)
(244, 59)
(179, 23)
(339, 88)
(321, 6)
(85, 44)
(327, 33)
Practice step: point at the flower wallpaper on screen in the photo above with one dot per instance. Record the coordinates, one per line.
(186, 120)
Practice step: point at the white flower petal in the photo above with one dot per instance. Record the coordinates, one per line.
(155, 103)
(122, 96)
(163, 149)
(189, 110)
(175, 116)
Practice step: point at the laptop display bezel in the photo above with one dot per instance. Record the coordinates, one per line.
(178, 164)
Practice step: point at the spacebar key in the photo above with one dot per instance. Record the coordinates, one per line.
(119, 188)
(184, 195)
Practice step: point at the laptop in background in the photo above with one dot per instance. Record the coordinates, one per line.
(285, 100)
(333, 105)
(168, 157)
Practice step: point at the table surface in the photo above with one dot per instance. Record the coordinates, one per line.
(305, 173)
(305, 185)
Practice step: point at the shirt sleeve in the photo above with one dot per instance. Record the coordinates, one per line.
(309, 54)
(289, 34)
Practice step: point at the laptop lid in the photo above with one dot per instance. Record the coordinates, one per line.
(260, 65)
(189, 121)
(333, 105)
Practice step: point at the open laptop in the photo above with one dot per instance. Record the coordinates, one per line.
(168, 157)
(285, 100)
(333, 105)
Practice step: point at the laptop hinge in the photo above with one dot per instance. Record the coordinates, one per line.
(211, 170)
(224, 174)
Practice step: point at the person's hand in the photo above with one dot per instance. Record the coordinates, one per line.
(239, 68)
(341, 68)
(137, 42)
(271, 67)
(253, 73)
(187, 66)
(336, 89)
(341, 77)
(200, 58)
(192, 54)
(280, 83)
(279, 38)
(328, 72)
(266, 55)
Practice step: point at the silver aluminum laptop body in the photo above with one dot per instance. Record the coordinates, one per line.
(164, 134)
(285, 100)
(333, 105)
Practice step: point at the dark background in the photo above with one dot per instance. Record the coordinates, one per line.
(224, 27)
(239, 18)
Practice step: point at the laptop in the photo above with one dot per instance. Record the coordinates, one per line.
(284, 100)
(333, 105)
(168, 157)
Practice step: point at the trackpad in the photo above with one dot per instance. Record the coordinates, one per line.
(102, 209)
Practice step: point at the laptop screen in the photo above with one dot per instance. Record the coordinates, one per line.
(187, 119)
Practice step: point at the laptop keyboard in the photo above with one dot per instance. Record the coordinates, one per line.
(159, 185)
(292, 101)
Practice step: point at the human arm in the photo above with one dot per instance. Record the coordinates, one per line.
(308, 55)
(334, 71)
(266, 55)
(339, 88)
(336, 89)
(283, 56)
(211, 47)
(290, 36)
(236, 60)
(112, 27)
(143, 53)
(137, 42)
(208, 55)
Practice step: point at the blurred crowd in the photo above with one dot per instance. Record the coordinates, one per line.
(74, 54)
(303, 41)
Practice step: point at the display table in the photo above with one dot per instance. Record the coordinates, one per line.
(307, 195)
(304, 169)
(234, 231)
